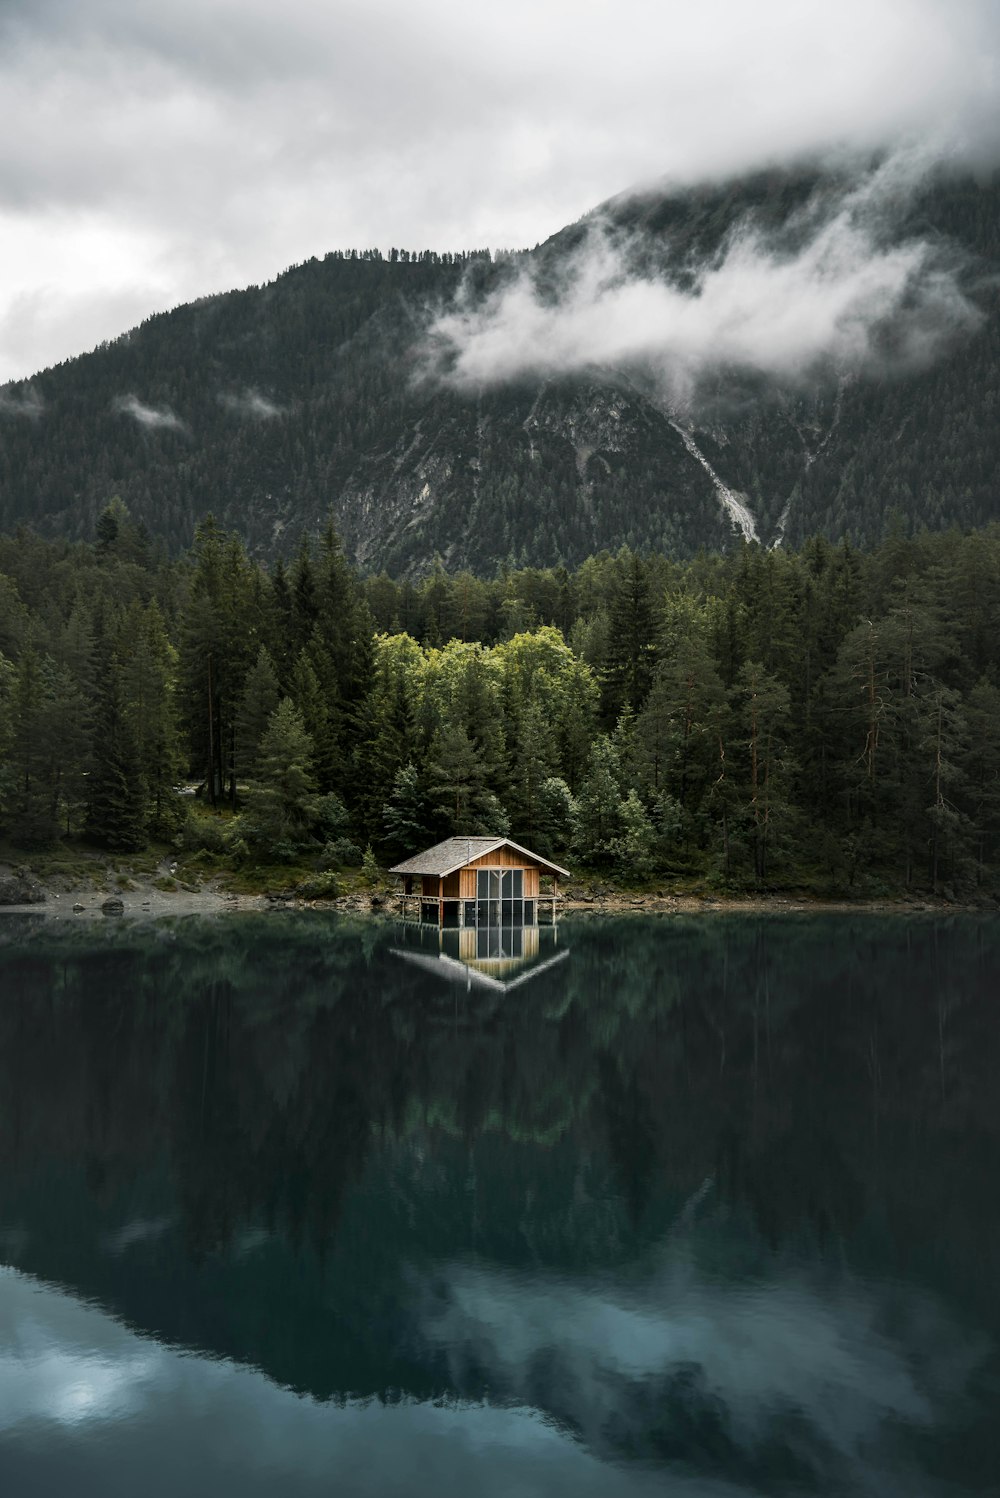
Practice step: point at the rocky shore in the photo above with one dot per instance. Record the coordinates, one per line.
(118, 893)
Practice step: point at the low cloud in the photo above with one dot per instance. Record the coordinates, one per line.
(27, 402)
(251, 404)
(151, 417)
(178, 150)
(830, 288)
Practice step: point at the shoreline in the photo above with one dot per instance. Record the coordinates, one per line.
(144, 900)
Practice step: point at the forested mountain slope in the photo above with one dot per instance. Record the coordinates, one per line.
(275, 406)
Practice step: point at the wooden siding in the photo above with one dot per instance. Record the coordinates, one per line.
(461, 885)
(467, 877)
(502, 858)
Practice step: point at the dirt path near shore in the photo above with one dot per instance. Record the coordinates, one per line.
(135, 896)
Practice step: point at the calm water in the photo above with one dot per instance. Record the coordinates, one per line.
(293, 1204)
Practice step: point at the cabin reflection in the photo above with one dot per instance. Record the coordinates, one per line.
(489, 955)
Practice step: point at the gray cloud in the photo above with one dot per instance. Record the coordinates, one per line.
(26, 402)
(155, 418)
(250, 403)
(184, 150)
(843, 296)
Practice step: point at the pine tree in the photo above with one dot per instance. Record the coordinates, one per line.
(30, 815)
(258, 700)
(532, 762)
(406, 816)
(761, 702)
(630, 649)
(149, 673)
(633, 848)
(116, 809)
(282, 805)
(599, 819)
(456, 785)
(555, 818)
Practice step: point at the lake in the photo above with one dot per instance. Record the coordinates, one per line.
(296, 1204)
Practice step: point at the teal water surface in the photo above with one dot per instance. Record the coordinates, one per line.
(301, 1204)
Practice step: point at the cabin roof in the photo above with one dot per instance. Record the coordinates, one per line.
(455, 852)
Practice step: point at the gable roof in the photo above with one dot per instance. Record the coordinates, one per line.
(455, 852)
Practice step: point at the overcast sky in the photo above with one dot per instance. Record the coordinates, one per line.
(150, 154)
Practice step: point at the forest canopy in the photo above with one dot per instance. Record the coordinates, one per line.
(824, 717)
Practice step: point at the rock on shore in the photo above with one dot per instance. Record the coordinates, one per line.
(20, 888)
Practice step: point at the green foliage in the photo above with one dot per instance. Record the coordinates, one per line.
(323, 886)
(340, 853)
(827, 716)
(117, 812)
(634, 848)
(258, 700)
(283, 809)
(406, 817)
(600, 822)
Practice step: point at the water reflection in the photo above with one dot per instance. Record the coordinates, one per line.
(711, 1200)
(72, 1381)
(494, 957)
(796, 1377)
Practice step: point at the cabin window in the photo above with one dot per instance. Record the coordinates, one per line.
(499, 899)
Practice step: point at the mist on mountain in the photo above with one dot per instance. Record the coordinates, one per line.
(810, 349)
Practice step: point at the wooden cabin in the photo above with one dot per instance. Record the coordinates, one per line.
(478, 881)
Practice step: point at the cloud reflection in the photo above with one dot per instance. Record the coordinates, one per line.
(829, 1370)
(601, 1391)
(173, 1422)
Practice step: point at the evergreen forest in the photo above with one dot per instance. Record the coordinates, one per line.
(825, 718)
(274, 406)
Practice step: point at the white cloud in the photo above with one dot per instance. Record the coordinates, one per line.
(210, 143)
(154, 418)
(252, 404)
(842, 296)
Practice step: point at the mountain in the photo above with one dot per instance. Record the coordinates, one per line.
(334, 389)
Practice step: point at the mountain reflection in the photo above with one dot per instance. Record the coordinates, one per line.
(712, 1194)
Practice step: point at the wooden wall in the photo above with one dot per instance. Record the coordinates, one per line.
(468, 887)
(461, 885)
(503, 858)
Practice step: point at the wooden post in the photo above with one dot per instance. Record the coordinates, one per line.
(440, 900)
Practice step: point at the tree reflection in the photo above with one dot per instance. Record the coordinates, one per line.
(282, 1081)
